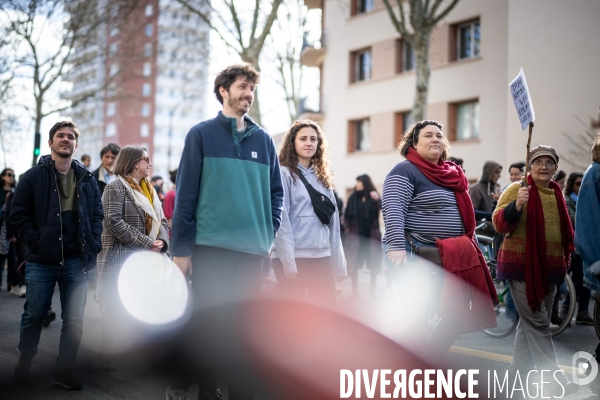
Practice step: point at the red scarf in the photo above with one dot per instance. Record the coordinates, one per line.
(449, 175)
(536, 274)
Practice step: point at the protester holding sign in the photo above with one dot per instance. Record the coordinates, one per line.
(534, 258)
(307, 252)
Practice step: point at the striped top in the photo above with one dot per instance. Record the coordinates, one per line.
(412, 202)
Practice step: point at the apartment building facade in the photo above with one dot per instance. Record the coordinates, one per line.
(368, 81)
(153, 80)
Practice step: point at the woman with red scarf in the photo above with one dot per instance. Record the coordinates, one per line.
(426, 204)
(534, 258)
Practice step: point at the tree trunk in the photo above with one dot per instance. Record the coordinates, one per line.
(254, 112)
(421, 49)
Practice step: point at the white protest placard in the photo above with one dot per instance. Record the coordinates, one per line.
(522, 99)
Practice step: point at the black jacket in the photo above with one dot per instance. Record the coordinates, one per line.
(35, 214)
(101, 185)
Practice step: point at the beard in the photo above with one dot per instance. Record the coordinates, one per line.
(235, 104)
(63, 153)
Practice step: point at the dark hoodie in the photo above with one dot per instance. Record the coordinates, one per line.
(480, 192)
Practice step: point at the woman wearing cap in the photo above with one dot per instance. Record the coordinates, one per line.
(534, 258)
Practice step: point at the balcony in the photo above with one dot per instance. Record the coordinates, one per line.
(310, 4)
(313, 54)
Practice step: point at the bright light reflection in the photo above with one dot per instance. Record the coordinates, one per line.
(152, 289)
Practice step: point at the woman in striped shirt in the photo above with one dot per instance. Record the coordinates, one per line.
(425, 199)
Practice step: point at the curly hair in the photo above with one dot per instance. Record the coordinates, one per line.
(230, 74)
(320, 161)
(411, 137)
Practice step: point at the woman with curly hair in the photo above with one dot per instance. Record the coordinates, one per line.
(307, 254)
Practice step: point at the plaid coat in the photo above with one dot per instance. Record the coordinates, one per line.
(123, 233)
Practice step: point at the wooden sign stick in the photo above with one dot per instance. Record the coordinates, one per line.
(527, 166)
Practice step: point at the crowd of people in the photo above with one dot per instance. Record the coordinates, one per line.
(237, 203)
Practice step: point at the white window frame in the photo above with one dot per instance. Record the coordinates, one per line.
(146, 110)
(466, 130)
(475, 50)
(368, 61)
(147, 69)
(362, 141)
(111, 109)
(145, 130)
(146, 89)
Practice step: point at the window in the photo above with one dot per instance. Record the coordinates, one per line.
(464, 120)
(361, 6)
(145, 130)
(147, 69)
(110, 109)
(146, 89)
(114, 68)
(361, 64)
(405, 56)
(145, 110)
(149, 10)
(111, 130)
(111, 90)
(467, 40)
(113, 48)
(148, 50)
(359, 135)
(402, 121)
(149, 30)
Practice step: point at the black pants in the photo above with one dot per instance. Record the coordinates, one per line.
(366, 254)
(315, 275)
(220, 277)
(12, 277)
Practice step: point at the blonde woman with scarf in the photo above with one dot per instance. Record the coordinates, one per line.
(133, 221)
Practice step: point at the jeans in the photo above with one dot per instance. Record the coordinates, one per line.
(72, 283)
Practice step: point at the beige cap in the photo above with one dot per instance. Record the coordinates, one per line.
(543, 150)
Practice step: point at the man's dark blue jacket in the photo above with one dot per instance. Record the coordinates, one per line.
(36, 217)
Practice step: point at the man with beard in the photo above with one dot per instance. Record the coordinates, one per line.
(57, 213)
(227, 210)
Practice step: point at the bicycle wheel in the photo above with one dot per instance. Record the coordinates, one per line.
(569, 316)
(505, 319)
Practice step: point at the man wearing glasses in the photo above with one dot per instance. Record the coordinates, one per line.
(57, 213)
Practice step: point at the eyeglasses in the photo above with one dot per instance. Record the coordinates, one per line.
(147, 159)
(578, 183)
(548, 164)
(9, 175)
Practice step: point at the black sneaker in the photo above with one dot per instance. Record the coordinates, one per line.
(67, 381)
(584, 319)
(22, 370)
(49, 318)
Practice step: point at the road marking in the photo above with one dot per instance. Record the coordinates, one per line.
(495, 356)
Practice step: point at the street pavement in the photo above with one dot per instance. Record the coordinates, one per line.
(134, 379)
